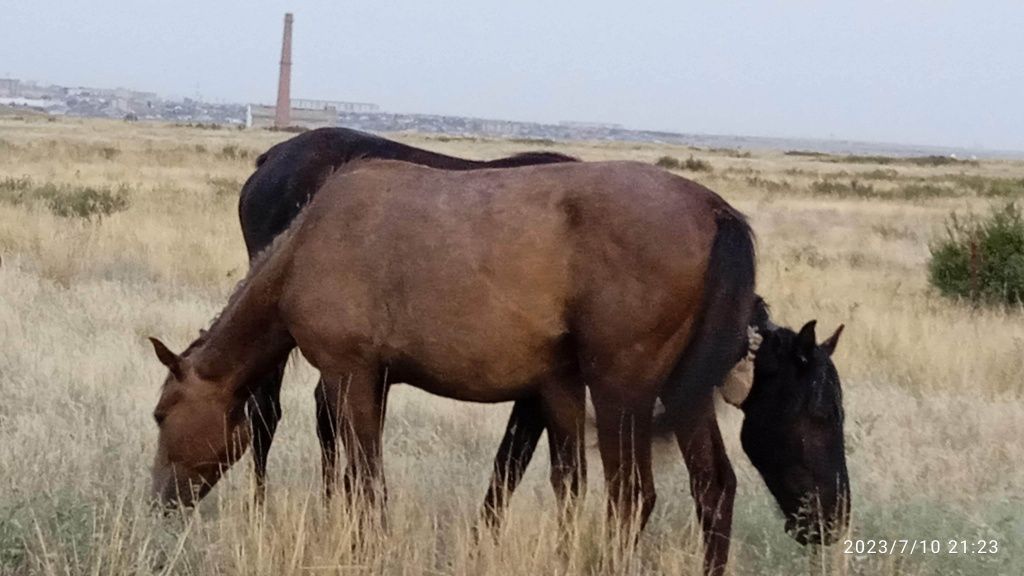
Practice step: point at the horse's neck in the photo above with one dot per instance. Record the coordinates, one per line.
(248, 340)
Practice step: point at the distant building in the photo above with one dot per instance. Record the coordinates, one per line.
(305, 113)
(9, 87)
(307, 104)
(258, 116)
(590, 125)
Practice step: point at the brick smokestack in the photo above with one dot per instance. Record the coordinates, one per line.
(284, 81)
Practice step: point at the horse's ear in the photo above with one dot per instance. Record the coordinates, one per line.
(829, 346)
(169, 359)
(806, 342)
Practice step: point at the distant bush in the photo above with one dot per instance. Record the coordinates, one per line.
(289, 129)
(933, 160)
(692, 164)
(767, 184)
(939, 161)
(668, 162)
(224, 186)
(533, 141)
(108, 152)
(86, 202)
(730, 152)
(235, 152)
(915, 191)
(880, 174)
(451, 138)
(199, 125)
(697, 165)
(981, 259)
(809, 153)
(841, 189)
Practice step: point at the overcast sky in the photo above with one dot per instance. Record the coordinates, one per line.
(911, 71)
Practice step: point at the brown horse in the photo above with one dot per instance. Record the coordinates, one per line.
(287, 177)
(493, 286)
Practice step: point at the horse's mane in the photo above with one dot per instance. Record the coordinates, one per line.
(261, 261)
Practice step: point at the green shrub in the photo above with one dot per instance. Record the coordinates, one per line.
(730, 152)
(88, 202)
(696, 164)
(879, 174)
(767, 184)
(981, 259)
(85, 202)
(939, 161)
(533, 141)
(692, 164)
(840, 189)
(668, 162)
(933, 160)
(235, 152)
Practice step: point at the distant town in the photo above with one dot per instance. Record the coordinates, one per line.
(134, 105)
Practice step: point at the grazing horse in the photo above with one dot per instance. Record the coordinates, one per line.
(286, 178)
(499, 285)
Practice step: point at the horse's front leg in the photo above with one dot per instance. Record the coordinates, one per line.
(264, 413)
(351, 407)
(712, 483)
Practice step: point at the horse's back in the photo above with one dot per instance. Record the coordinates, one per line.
(290, 172)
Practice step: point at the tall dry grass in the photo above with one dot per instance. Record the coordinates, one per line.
(933, 388)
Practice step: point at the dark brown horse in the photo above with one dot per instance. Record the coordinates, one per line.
(286, 178)
(526, 283)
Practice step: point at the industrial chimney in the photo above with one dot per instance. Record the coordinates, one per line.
(284, 81)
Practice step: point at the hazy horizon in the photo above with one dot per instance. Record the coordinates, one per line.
(911, 72)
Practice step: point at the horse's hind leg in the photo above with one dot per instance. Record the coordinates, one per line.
(522, 434)
(564, 404)
(712, 483)
(624, 438)
(264, 412)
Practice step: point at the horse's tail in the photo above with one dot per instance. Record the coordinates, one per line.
(720, 339)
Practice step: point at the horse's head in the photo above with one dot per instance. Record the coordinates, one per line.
(201, 431)
(793, 428)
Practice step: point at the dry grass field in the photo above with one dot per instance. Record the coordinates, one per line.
(933, 388)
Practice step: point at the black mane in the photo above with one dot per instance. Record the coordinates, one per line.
(289, 174)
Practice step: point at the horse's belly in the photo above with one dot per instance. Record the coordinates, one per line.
(487, 370)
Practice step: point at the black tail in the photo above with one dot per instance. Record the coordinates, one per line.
(721, 336)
